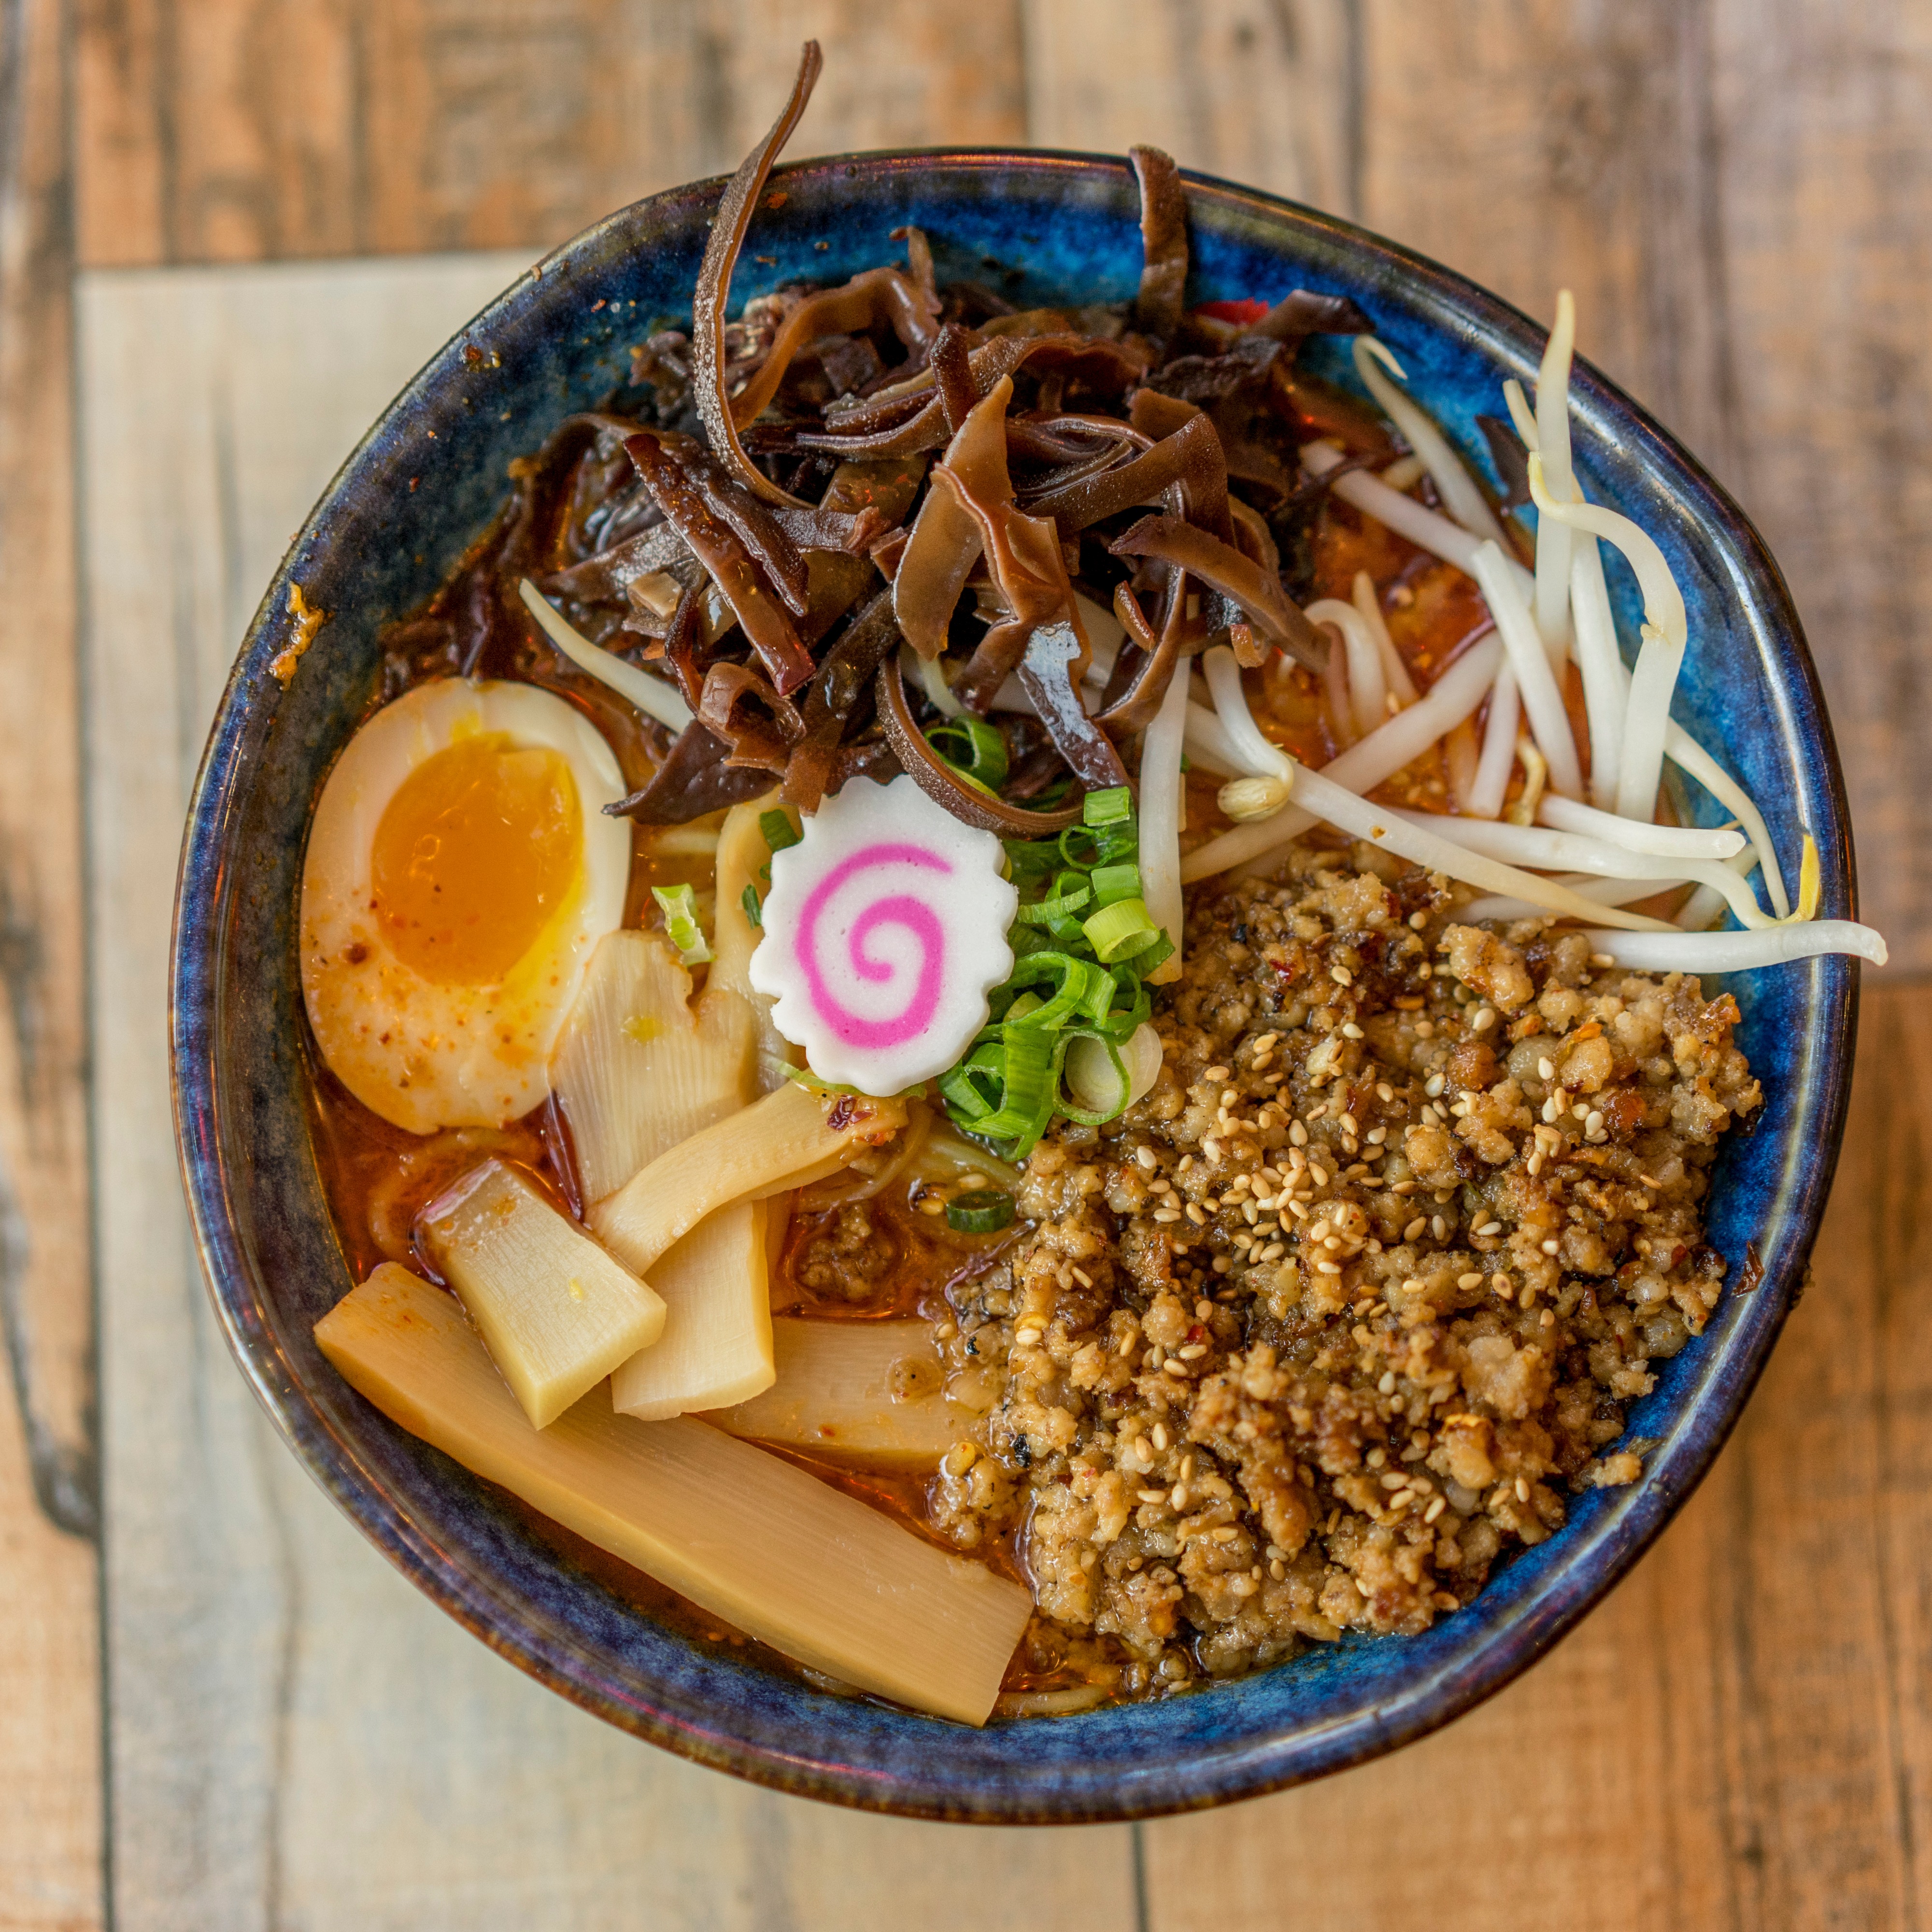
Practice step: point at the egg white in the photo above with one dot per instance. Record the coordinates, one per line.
(421, 1054)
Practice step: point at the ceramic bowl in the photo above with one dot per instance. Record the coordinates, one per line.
(1042, 227)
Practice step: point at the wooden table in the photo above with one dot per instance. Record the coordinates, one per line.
(218, 1710)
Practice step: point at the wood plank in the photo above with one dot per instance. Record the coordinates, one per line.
(1740, 1736)
(297, 1738)
(50, 1826)
(247, 130)
(1260, 91)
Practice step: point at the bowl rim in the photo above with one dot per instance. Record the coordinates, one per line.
(1596, 1562)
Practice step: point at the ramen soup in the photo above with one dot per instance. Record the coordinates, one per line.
(1032, 936)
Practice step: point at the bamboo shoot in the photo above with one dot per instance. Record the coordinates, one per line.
(791, 1133)
(862, 1391)
(743, 1534)
(716, 1348)
(639, 1066)
(557, 1313)
(743, 854)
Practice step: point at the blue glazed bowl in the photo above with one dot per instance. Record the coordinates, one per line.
(1056, 226)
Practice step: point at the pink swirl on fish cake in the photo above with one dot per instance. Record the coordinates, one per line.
(899, 909)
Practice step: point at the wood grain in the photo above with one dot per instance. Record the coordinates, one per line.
(1741, 1736)
(249, 130)
(50, 1825)
(297, 1737)
(1261, 91)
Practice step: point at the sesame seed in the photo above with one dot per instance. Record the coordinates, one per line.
(1545, 1068)
(1318, 1173)
(1152, 1495)
(1593, 1122)
(1297, 1134)
(1026, 1338)
(1327, 1268)
(1522, 1490)
(1173, 1367)
(1550, 1246)
(1211, 1147)
(1439, 1228)
(1548, 1320)
(1386, 1384)
(1167, 1214)
(1487, 1228)
(1081, 1275)
(1214, 1074)
(1485, 1018)
(1472, 1279)
(1580, 1110)
(1415, 1229)
(1195, 1214)
(1425, 1029)
(1147, 1157)
(1341, 976)
(1351, 1031)
(1435, 1509)
(1193, 1351)
(1433, 1085)
(1601, 960)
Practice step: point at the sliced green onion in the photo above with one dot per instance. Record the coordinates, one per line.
(1120, 931)
(1072, 1106)
(980, 753)
(981, 1210)
(1107, 807)
(1112, 883)
(1029, 860)
(679, 907)
(1072, 980)
(1045, 912)
(754, 911)
(1072, 841)
(778, 830)
(1158, 954)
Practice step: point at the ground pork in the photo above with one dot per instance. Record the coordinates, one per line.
(1334, 1318)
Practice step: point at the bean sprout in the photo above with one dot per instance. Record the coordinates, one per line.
(1689, 841)
(1542, 702)
(1538, 845)
(1447, 703)
(1554, 537)
(1422, 844)
(1606, 683)
(1586, 886)
(1369, 604)
(651, 695)
(1492, 768)
(1457, 488)
(1690, 757)
(1368, 681)
(1162, 792)
(1737, 952)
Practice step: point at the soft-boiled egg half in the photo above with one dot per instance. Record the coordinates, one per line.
(460, 870)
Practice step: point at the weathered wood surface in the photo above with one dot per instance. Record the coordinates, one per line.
(49, 1706)
(1737, 191)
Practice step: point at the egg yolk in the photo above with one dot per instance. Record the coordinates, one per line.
(476, 852)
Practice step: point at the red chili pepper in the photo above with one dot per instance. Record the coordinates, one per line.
(1245, 312)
